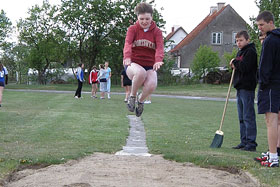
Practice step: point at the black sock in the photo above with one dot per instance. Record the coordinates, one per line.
(278, 151)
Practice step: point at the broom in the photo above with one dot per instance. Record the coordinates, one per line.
(219, 136)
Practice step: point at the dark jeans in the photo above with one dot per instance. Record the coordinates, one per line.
(247, 117)
(79, 89)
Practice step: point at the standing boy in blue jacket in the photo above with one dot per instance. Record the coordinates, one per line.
(80, 78)
(245, 81)
(269, 84)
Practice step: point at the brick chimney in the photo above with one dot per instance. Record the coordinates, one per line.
(213, 9)
(220, 5)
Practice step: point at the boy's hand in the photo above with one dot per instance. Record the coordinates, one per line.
(157, 65)
(231, 64)
(127, 62)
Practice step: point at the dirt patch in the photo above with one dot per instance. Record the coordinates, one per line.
(110, 170)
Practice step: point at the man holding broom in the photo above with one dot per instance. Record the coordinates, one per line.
(269, 84)
(245, 82)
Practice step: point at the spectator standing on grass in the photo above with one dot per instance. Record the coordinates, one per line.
(80, 78)
(3, 80)
(102, 80)
(264, 155)
(93, 81)
(126, 84)
(143, 56)
(269, 87)
(108, 77)
(245, 82)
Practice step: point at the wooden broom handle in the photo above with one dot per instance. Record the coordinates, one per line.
(228, 94)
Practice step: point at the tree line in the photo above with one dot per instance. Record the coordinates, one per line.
(89, 32)
(76, 31)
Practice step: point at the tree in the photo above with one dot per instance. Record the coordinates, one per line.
(14, 60)
(205, 60)
(270, 5)
(44, 38)
(98, 28)
(229, 56)
(5, 27)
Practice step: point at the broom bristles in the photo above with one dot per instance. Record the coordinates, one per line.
(217, 141)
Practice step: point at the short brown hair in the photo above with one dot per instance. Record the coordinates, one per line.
(244, 34)
(143, 8)
(267, 16)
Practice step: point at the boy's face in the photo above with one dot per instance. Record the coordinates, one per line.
(241, 42)
(264, 27)
(145, 20)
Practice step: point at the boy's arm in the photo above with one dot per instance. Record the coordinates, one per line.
(159, 47)
(266, 63)
(127, 50)
(248, 62)
(90, 77)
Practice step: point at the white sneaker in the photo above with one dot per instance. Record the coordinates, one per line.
(76, 97)
(147, 102)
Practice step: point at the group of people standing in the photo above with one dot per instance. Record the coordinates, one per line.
(245, 81)
(102, 77)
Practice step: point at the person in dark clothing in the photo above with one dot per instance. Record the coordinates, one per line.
(80, 78)
(126, 83)
(245, 81)
(269, 85)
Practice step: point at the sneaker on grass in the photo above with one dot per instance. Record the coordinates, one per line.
(264, 157)
(270, 163)
(131, 103)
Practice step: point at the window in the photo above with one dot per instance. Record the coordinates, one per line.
(178, 61)
(217, 38)
(172, 46)
(233, 38)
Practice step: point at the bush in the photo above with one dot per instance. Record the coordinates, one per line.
(205, 60)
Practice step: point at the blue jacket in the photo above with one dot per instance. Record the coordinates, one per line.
(80, 74)
(269, 71)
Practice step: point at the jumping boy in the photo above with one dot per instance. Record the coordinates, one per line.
(269, 84)
(143, 55)
(245, 81)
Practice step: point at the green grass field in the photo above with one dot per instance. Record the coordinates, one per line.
(189, 90)
(51, 128)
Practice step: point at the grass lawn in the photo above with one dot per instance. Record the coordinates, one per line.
(49, 128)
(188, 90)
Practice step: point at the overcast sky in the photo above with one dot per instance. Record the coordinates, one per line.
(186, 13)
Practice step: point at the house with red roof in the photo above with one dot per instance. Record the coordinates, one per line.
(176, 35)
(218, 30)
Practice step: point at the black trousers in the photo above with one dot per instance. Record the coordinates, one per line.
(79, 89)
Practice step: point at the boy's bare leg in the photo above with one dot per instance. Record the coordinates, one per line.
(272, 131)
(150, 85)
(92, 90)
(137, 74)
(127, 91)
(278, 142)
